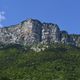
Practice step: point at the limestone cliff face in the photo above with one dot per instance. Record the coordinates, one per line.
(50, 33)
(27, 32)
(33, 31)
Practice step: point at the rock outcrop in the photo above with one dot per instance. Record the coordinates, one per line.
(50, 33)
(27, 32)
(33, 31)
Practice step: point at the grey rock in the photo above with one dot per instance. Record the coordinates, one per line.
(27, 32)
(50, 33)
(32, 31)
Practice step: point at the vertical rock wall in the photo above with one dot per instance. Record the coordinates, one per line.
(50, 33)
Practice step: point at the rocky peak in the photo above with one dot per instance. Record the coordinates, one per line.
(32, 21)
(32, 31)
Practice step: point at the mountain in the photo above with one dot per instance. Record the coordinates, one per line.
(33, 50)
(33, 31)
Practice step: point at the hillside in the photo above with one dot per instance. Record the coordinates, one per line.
(33, 50)
(55, 63)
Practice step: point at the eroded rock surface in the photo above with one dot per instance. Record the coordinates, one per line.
(32, 31)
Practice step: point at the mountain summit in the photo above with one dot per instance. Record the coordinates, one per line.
(33, 31)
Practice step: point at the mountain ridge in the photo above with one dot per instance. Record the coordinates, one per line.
(33, 31)
(48, 56)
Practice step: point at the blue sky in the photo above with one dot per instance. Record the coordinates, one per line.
(65, 13)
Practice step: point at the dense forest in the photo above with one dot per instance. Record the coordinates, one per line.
(58, 62)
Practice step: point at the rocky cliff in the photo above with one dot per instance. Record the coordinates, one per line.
(32, 31)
